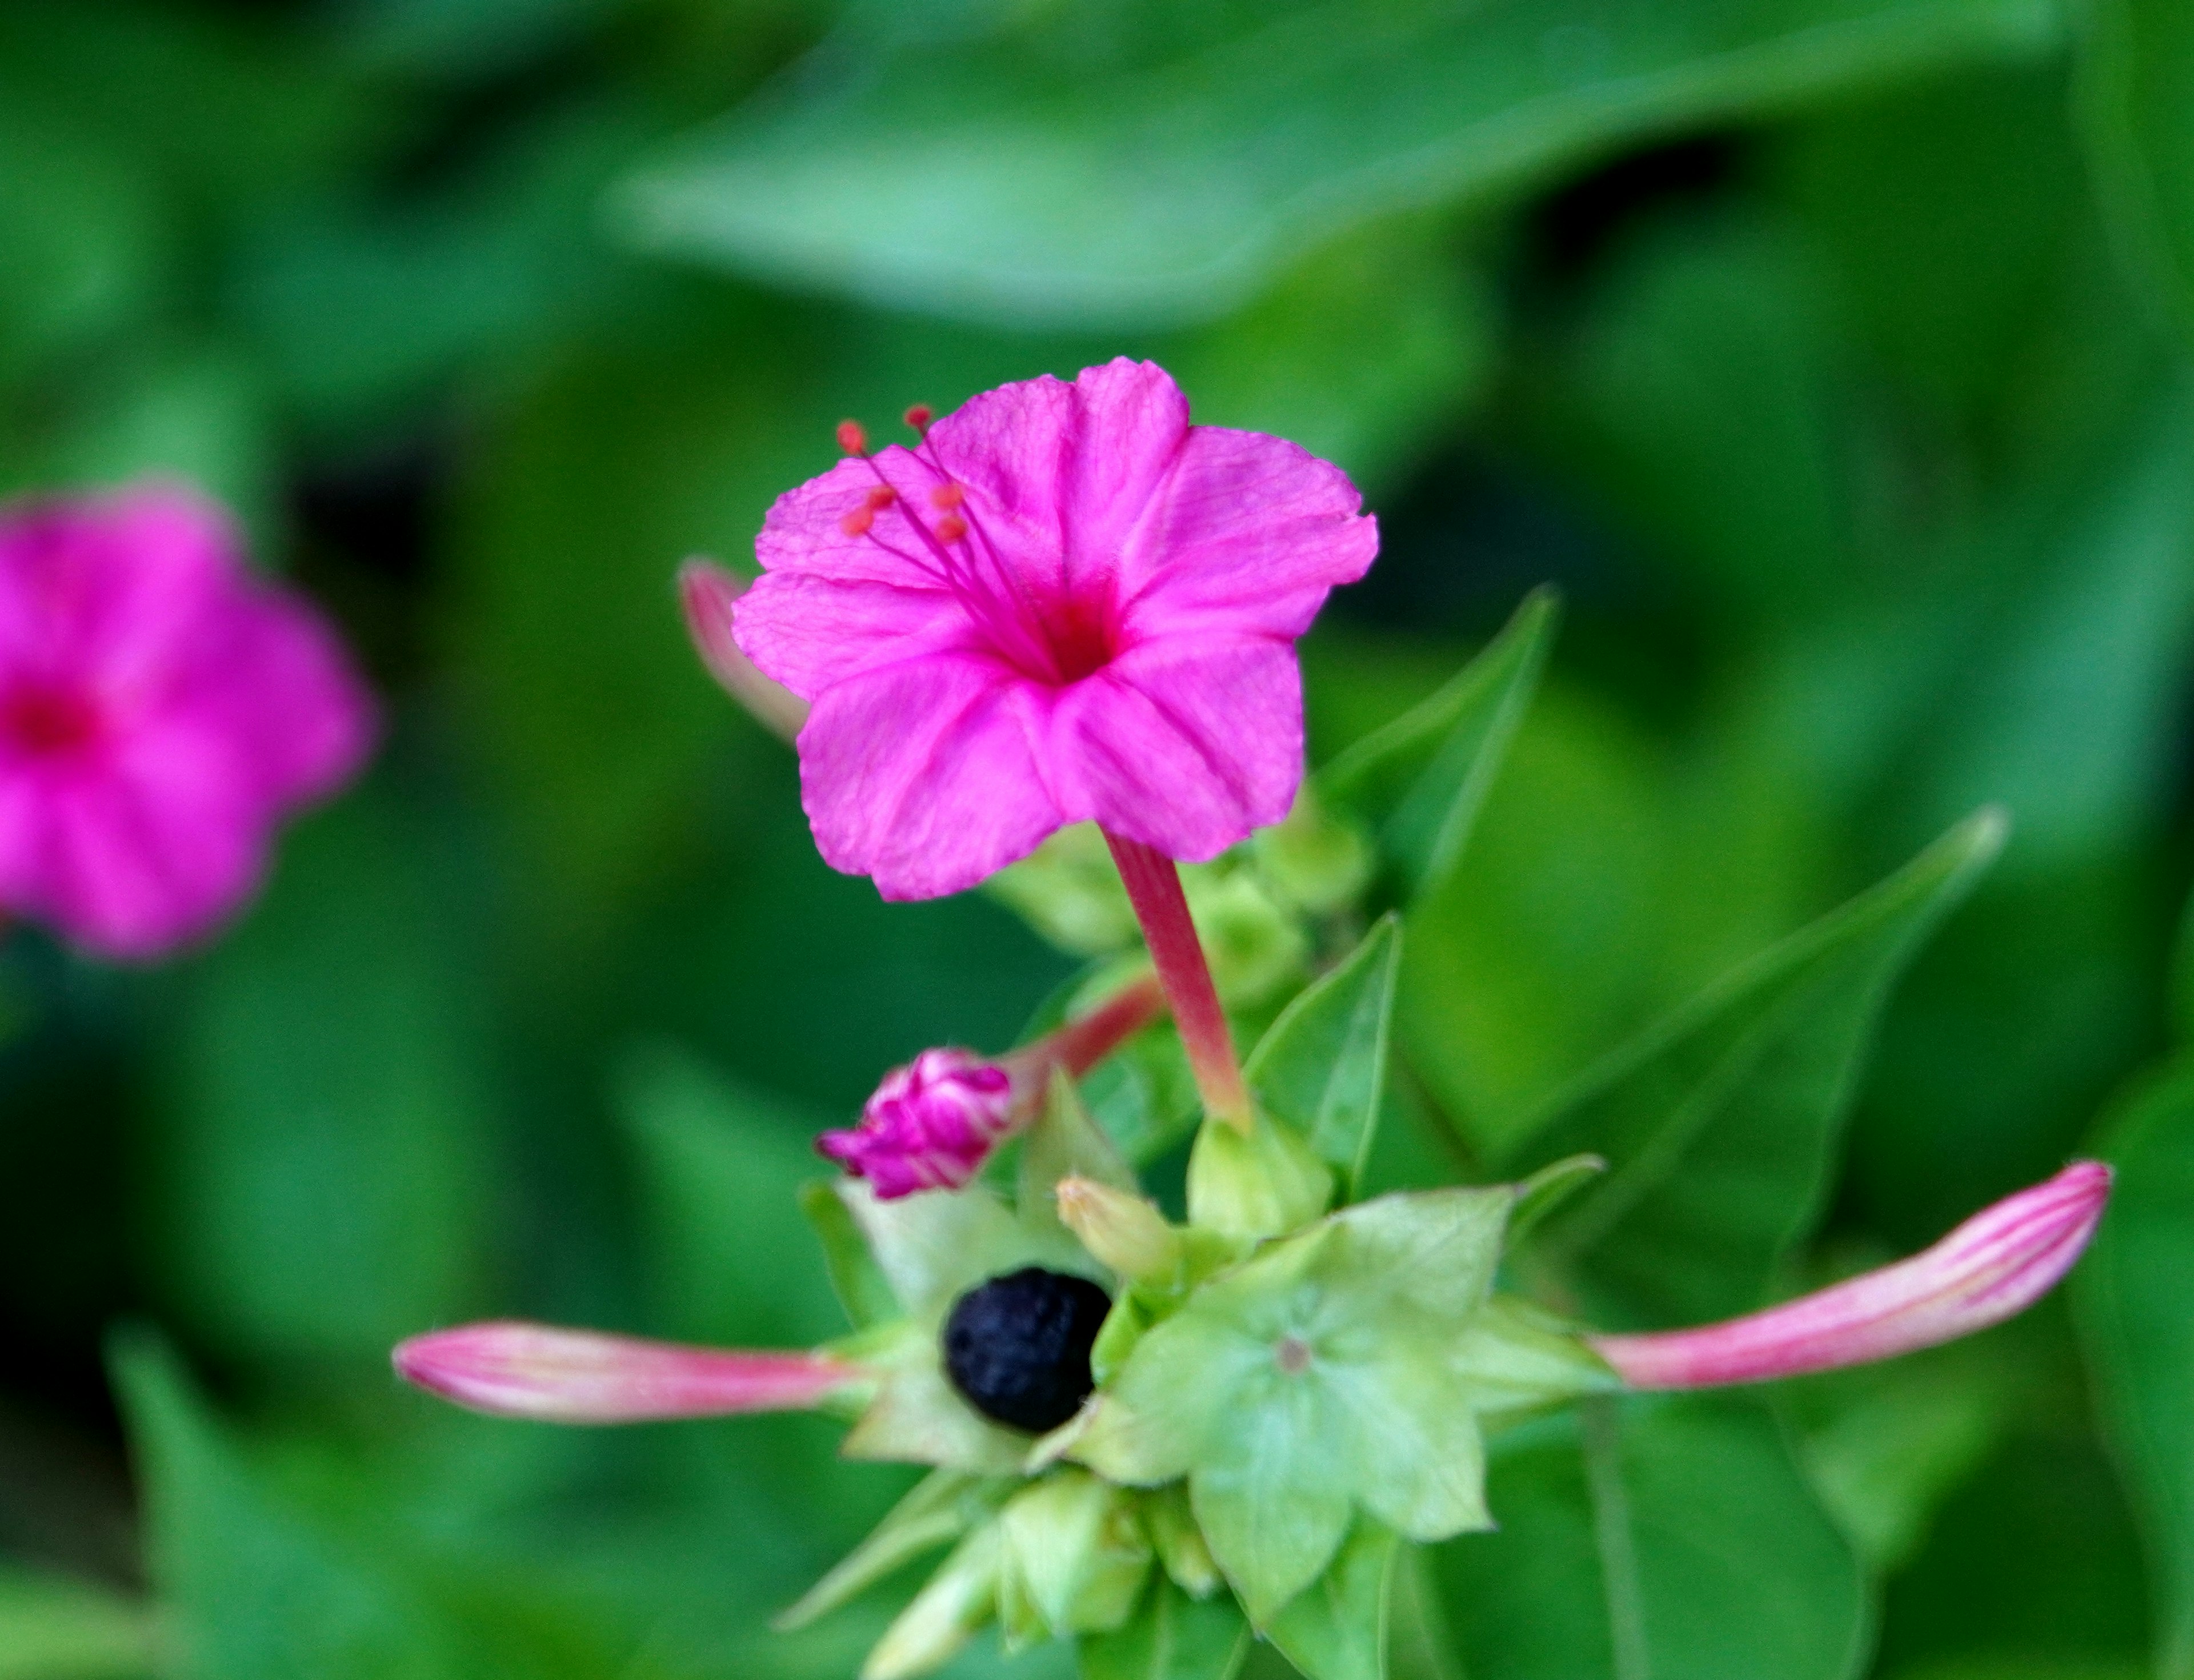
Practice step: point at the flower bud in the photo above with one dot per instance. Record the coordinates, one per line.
(518, 1370)
(1998, 1263)
(1125, 1232)
(709, 593)
(930, 1124)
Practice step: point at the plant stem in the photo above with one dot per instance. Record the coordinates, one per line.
(1083, 1042)
(1611, 1535)
(1153, 884)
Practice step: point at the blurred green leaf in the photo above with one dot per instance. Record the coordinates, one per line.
(1054, 188)
(2137, 83)
(1423, 778)
(1697, 1532)
(2132, 1296)
(1322, 1066)
(1544, 946)
(734, 1259)
(56, 1629)
(1719, 1125)
(323, 1187)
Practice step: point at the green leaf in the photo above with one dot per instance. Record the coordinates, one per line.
(56, 1629)
(1423, 779)
(1322, 1066)
(1337, 1631)
(721, 1171)
(323, 1173)
(1065, 1141)
(1171, 1637)
(2136, 86)
(2131, 1296)
(1719, 1124)
(856, 1279)
(1175, 178)
(1696, 1533)
(1259, 1185)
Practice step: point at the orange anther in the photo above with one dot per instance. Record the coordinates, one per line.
(951, 528)
(882, 497)
(851, 439)
(920, 416)
(857, 522)
(946, 495)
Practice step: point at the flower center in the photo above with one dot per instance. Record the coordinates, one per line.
(47, 721)
(1017, 1347)
(1292, 1355)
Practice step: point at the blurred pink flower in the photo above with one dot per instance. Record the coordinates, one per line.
(1066, 603)
(518, 1370)
(1998, 1263)
(159, 710)
(708, 592)
(932, 1123)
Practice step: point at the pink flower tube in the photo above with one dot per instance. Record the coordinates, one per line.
(1998, 1263)
(709, 593)
(932, 1123)
(516, 1370)
(161, 710)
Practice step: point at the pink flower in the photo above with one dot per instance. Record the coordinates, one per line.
(582, 1377)
(1066, 603)
(932, 1123)
(1998, 1263)
(159, 711)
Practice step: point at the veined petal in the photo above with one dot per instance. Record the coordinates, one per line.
(921, 774)
(1185, 743)
(1066, 472)
(517, 1370)
(1998, 1263)
(1249, 535)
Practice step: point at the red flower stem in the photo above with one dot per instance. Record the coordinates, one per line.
(1081, 1044)
(1153, 884)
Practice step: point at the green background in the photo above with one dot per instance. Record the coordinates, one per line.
(1831, 356)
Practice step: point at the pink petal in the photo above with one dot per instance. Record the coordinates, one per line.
(921, 775)
(1185, 743)
(285, 686)
(1063, 473)
(1998, 1263)
(1249, 535)
(516, 1370)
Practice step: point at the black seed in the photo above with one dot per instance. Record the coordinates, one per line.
(1018, 1346)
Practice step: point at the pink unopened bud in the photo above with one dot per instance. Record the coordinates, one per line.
(1998, 1263)
(933, 1123)
(709, 593)
(930, 1126)
(519, 1370)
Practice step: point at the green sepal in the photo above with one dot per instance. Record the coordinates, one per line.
(1170, 1522)
(934, 1246)
(1064, 1141)
(1312, 859)
(1421, 780)
(1549, 1187)
(856, 1279)
(1117, 1336)
(1342, 1367)
(1074, 1561)
(1262, 1184)
(1337, 1629)
(1171, 1637)
(1322, 1066)
(916, 1416)
(951, 1607)
(942, 1507)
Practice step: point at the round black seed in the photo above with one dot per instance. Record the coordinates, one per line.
(1017, 1347)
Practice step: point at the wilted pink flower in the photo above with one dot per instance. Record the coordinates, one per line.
(583, 1377)
(1066, 603)
(1998, 1263)
(932, 1123)
(159, 711)
(708, 592)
